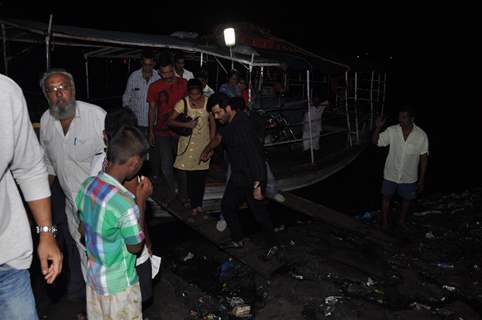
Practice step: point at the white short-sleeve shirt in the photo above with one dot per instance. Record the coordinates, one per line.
(69, 157)
(403, 157)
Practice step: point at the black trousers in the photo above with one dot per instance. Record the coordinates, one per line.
(73, 282)
(234, 195)
(196, 184)
(144, 273)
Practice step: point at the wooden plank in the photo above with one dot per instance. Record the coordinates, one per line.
(333, 217)
(251, 254)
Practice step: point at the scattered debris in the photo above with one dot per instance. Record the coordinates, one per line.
(445, 265)
(344, 275)
(242, 311)
(370, 282)
(419, 306)
(297, 276)
(448, 288)
(280, 228)
(424, 213)
(368, 216)
(332, 300)
(429, 235)
(188, 257)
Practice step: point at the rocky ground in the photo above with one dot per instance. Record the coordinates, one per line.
(430, 270)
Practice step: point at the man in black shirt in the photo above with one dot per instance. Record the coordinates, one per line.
(248, 168)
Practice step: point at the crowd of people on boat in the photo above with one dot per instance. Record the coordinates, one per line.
(169, 115)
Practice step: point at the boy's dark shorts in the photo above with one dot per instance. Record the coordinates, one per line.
(407, 191)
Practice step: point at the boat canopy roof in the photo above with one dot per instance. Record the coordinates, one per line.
(118, 44)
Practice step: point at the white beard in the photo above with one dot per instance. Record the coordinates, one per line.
(65, 112)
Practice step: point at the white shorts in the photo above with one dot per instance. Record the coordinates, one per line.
(123, 305)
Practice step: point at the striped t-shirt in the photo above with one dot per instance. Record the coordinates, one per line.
(111, 221)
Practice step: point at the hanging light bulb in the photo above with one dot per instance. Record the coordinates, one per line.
(229, 37)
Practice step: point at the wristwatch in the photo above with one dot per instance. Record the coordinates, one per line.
(49, 229)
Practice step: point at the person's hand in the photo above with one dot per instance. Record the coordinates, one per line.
(152, 138)
(144, 189)
(192, 124)
(49, 251)
(258, 193)
(380, 121)
(206, 155)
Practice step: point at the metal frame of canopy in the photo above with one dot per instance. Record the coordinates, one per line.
(110, 44)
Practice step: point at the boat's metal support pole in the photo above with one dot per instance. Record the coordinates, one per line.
(128, 66)
(378, 89)
(250, 69)
(87, 87)
(221, 65)
(261, 76)
(47, 42)
(217, 77)
(201, 60)
(260, 85)
(285, 81)
(355, 108)
(348, 124)
(5, 61)
(231, 55)
(384, 91)
(371, 101)
(308, 99)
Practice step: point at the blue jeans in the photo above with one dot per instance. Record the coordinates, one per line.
(16, 297)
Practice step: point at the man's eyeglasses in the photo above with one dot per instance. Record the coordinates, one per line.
(61, 88)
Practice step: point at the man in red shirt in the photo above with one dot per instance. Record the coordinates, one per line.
(162, 95)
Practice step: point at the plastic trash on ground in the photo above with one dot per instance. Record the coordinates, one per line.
(429, 235)
(448, 288)
(189, 256)
(419, 306)
(225, 269)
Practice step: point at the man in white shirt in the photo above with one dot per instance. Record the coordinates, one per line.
(21, 162)
(71, 135)
(135, 95)
(408, 150)
(179, 68)
(315, 114)
(204, 77)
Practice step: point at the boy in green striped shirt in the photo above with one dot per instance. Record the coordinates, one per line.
(112, 221)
